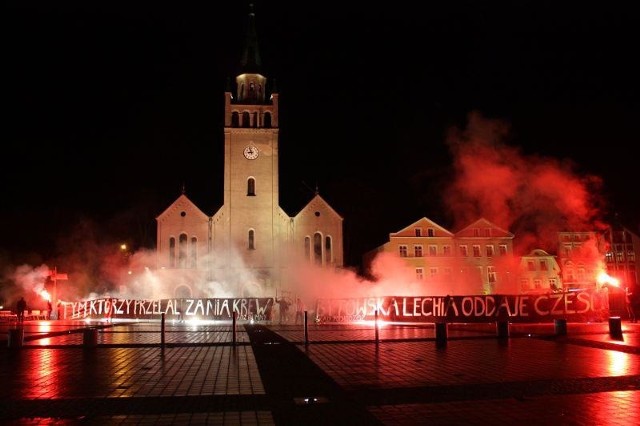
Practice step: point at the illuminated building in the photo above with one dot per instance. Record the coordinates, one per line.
(250, 239)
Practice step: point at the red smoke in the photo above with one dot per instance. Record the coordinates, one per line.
(531, 196)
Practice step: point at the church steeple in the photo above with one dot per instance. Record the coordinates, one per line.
(250, 83)
(251, 62)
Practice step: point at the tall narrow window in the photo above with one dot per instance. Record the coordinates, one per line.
(246, 119)
(328, 251)
(252, 235)
(235, 119)
(317, 248)
(251, 186)
(431, 232)
(419, 273)
(194, 253)
(402, 251)
(417, 251)
(476, 251)
(267, 120)
(418, 232)
(182, 251)
(172, 252)
(307, 248)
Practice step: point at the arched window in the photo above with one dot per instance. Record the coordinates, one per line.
(317, 248)
(266, 120)
(172, 252)
(327, 250)
(235, 119)
(194, 252)
(255, 119)
(251, 186)
(182, 251)
(252, 235)
(307, 248)
(246, 119)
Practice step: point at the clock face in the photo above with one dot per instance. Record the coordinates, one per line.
(251, 152)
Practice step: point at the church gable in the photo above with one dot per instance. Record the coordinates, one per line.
(318, 207)
(182, 208)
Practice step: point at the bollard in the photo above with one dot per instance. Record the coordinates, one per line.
(615, 327)
(162, 332)
(560, 325)
(502, 328)
(233, 326)
(376, 325)
(90, 337)
(16, 337)
(306, 331)
(441, 334)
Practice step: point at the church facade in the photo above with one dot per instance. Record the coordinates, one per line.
(248, 246)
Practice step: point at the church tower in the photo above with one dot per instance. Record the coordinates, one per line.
(250, 220)
(248, 246)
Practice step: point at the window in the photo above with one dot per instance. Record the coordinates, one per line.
(487, 232)
(194, 252)
(433, 272)
(446, 250)
(502, 249)
(417, 251)
(531, 266)
(431, 232)
(537, 284)
(182, 251)
(252, 235)
(328, 252)
(246, 119)
(317, 248)
(419, 273)
(476, 251)
(433, 250)
(491, 274)
(418, 232)
(235, 119)
(489, 250)
(543, 265)
(403, 250)
(172, 252)
(464, 252)
(251, 187)
(524, 284)
(476, 232)
(307, 248)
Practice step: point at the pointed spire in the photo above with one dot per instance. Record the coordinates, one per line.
(251, 62)
(184, 188)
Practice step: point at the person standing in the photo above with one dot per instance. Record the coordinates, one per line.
(299, 311)
(629, 305)
(283, 303)
(21, 306)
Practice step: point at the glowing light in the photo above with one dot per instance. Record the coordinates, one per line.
(604, 278)
(45, 295)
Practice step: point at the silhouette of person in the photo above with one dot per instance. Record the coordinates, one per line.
(49, 309)
(284, 309)
(21, 306)
(629, 305)
(299, 311)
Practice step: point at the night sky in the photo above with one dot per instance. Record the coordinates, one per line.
(112, 107)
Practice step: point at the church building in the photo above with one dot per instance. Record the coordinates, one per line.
(249, 245)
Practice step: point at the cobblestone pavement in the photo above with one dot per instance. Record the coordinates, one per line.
(208, 374)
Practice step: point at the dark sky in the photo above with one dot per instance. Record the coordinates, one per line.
(111, 107)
